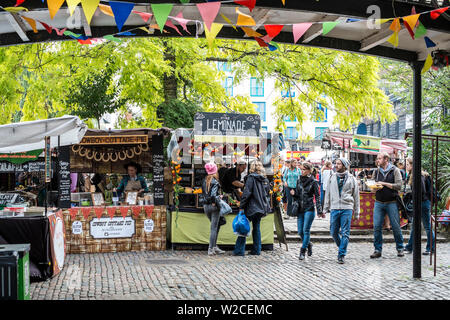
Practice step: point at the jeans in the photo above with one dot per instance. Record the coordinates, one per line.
(304, 222)
(426, 206)
(380, 210)
(340, 221)
(239, 248)
(322, 195)
(213, 215)
(290, 200)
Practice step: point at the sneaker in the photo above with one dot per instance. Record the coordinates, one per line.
(341, 260)
(427, 253)
(238, 254)
(309, 249)
(218, 251)
(375, 255)
(302, 254)
(400, 253)
(211, 252)
(408, 251)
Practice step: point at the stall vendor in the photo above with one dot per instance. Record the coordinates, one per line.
(132, 181)
(231, 182)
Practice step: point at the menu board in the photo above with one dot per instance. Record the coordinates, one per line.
(158, 170)
(64, 177)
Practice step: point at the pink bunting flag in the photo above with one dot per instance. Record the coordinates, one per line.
(171, 25)
(183, 22)
(267, 38)
(436, 13)
(144, 15)
(59, 32)
(299, 30)
(111, 211)
(208, 11)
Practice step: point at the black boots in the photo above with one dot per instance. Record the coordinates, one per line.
(302, 254)
(310, 249)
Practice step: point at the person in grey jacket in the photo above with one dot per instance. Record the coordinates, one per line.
(342, 198)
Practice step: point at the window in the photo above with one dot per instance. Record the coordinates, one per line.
(288, 93)
(288, 119)
(228, 85)
(322, 117)
(256, 88)
(264, 128)
(319, 133)
(224, 66)
(261, 108)
(291, 133)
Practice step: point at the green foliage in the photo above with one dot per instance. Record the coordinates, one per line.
(178, 114)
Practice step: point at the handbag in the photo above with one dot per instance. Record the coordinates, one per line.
(224, 208)
(401, 207)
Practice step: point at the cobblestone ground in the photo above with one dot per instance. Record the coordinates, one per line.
(273, 275)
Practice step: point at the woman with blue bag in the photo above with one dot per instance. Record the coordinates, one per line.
(255, 205)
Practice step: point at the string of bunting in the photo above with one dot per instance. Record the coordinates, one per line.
(121, 10)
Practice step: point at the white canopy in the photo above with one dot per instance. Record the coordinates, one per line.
(29, 135)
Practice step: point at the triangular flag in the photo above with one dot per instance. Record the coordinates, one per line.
(47, 27)
(149, 210)
(228, 21)
(145, 29)
(248, 3)
(267, 38)
(429, 43)
(97, 210)
(381, 21)
(122, 11)
(161, 12)
(144, 15)
(411, 32)
(86, 211)
(395, 25)
(436, 13)
(261, 42)
(299, 30)
(59, 32)
(125, 33)
(244, 20)
(171, 25)
(208, 11)
(111, 211)
(32, 23)
(251, 33)
(89, 7)
(411, 20)
(53, 6)
(87, 41)
(124, 211)
(15, 9)
(394, 39)
(328, 26)
(212, 33)
(427, 64)
(71, 34)
(273, 29)
(19, 2)
(183, 22)
(106, 10)
(283, 2)
(136, 210)
(72, 4)
(420, 31)
(73, 212)
(110, 37)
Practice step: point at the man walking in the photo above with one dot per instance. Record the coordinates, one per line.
(390, 178)
(342, 197)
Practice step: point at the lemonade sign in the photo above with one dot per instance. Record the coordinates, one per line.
(366, 143)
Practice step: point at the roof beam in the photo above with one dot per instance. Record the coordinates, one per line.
(18, 25)
(378, 38)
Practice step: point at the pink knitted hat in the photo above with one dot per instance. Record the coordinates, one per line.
(210, 168)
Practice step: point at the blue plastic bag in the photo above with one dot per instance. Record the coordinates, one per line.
(241, 225)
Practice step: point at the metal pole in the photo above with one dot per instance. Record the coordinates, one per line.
(433, 248)
(432, 200)
(417, 169)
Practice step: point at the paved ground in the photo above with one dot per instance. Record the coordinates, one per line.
(273, 275)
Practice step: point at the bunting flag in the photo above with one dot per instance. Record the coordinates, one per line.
(407, 26)
(273, 29)
(208, 11)
(145, 29)
(251, 33)
(244, 19)
(89, 7)
(15, 9)
(111, 211)
(85, 42)
(59, 32)
(394, 39)
(47, 27)
(124, 211)
(299, 30)
(428, 64)
(122, 11)
(267, 38)
(53, 6)
(86, 211)
(411, 20)
(19, 2)
(72, 35)
(212, 33)
(73, 212)
(98, 210)
(136, 211)
(161, 12)
(420, 30)
(106, 10)
(183, 22)
(144, 15)
(248, 3)
(171, 25)
(149, 210)
(395, 25)
(429, 42)
(125, 33)
(110, 37)
(436, 13)
(72, 4)
(328, 26)
(228, 21)
(31, 22)
(381, 21)
(261, 42)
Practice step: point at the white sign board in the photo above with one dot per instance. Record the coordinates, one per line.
(77, 227)
(117, 227)
(148, 225)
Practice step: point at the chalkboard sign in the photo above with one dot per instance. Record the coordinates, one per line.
(64, 177)
(199, 175)
(223, 124)
(32, 166)
(158, 170)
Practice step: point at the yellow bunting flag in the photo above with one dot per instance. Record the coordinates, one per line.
(15, 9)
(381, 21)
(53, 6)
(428, 64)
(251, 33)
(411, 20)
(106, 10)
(395, 25)
(228, 21)
(72, 4)
(89, 7)
(212, 34)
(244, 20)
(31, 22)
(394, 39)
(145, 29)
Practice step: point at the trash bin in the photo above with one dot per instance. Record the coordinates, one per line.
(14, 272)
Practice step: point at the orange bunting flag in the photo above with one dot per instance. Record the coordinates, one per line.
(395, 25)
(244, 20)
(31, 22)
(428, 64)
(53, 6)
(394, 39)
(251, 33)
(411, 20)
(106, 10)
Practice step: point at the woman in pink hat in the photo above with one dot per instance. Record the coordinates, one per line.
(211, 193)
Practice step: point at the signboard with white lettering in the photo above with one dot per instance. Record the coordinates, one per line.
(64, 177)
(124, 139)
(148, 225)
(8, 198)
(77, 227)
(116, 227)
(158, 170)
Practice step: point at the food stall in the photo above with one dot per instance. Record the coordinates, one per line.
(361, 150)
(32, 164)
(227, 137)
(104, 218)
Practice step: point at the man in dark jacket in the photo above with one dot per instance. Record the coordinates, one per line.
(255, 204)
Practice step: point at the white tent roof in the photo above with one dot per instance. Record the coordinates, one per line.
(29, 135)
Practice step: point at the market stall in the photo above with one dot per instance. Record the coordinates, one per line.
(224, 139)
(361, 150)
(119, 201)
